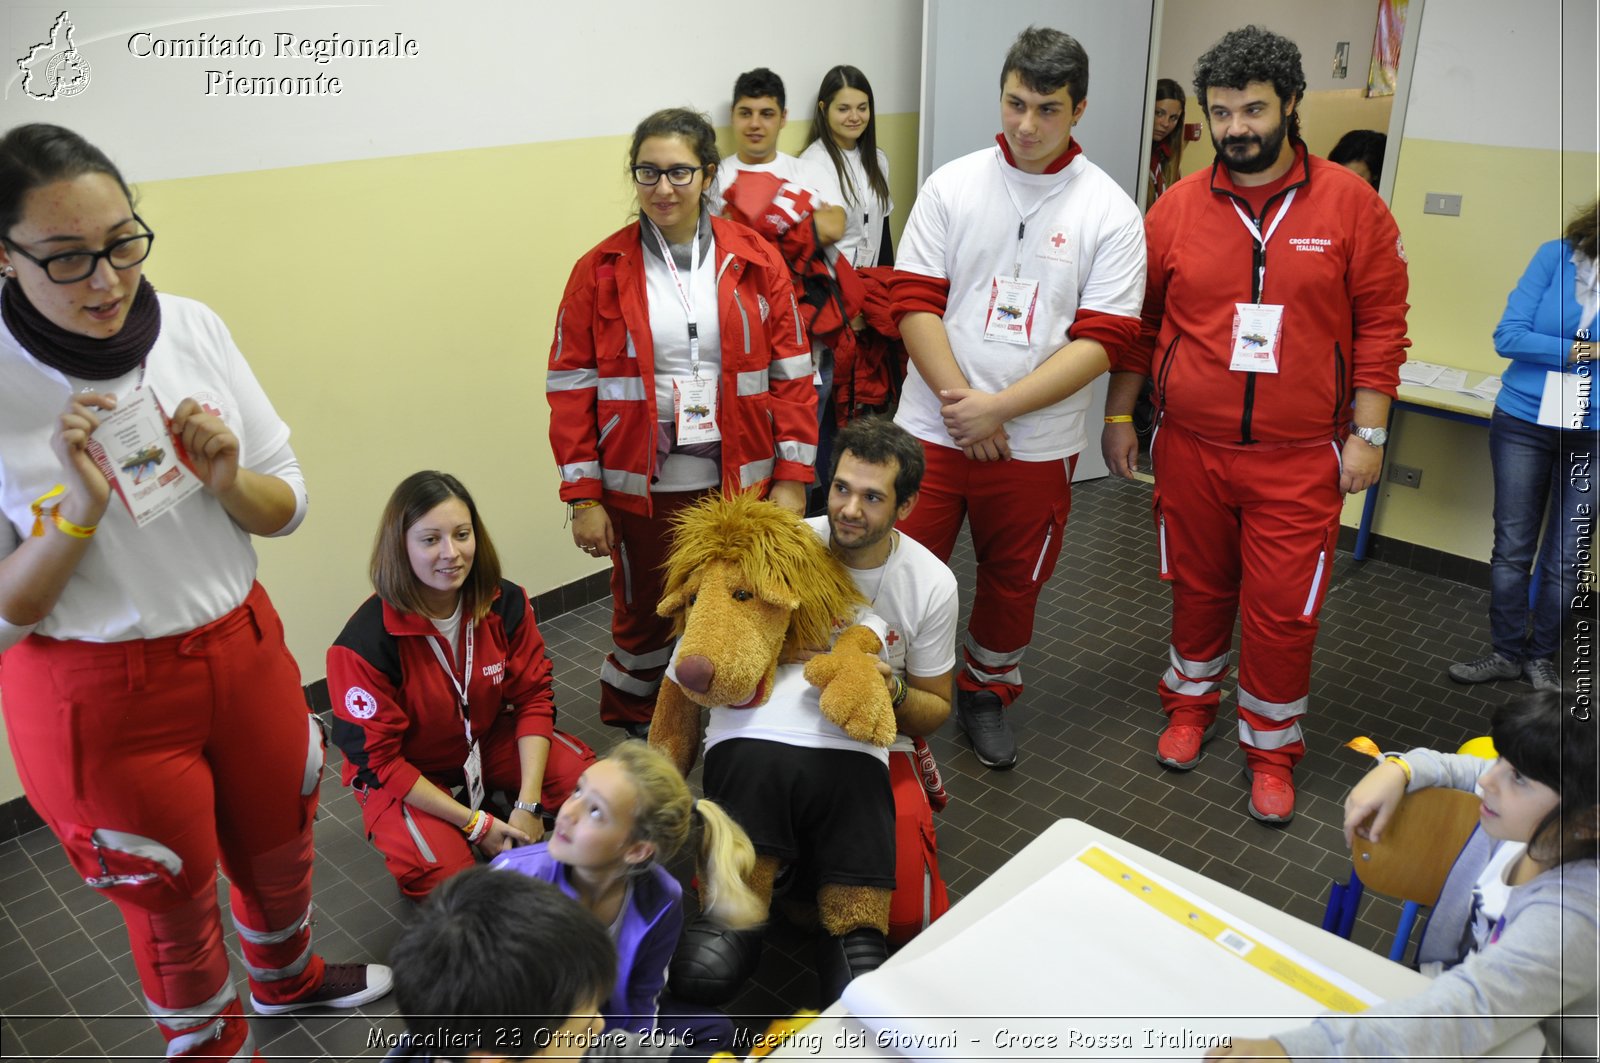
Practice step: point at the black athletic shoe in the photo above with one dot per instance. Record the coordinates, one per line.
(983, 721)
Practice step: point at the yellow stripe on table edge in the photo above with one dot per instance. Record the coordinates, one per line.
(1207, 925)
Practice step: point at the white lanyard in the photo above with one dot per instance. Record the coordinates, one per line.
(1022, 227)
(461, 685)
(1262, 241)
(685, 297)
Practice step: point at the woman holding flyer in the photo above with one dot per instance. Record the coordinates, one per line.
(154, 713)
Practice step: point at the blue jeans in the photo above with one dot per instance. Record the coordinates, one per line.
(1541, 476)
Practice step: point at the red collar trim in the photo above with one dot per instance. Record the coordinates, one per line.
(1061, 162)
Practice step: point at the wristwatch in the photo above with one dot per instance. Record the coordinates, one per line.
(1374, 437)
(533, 808)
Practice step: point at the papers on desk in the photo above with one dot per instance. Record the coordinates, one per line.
(1433, 375)
(1422, 374)
(1098, 959)
(1448, 378)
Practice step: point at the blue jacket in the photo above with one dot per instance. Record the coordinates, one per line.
(651, 926)
(1536, 331)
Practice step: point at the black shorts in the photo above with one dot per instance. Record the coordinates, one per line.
(830, 810)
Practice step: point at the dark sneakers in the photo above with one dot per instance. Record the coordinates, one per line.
(1489, 667)
(344, 985)
(983, 721)
(1542, 673)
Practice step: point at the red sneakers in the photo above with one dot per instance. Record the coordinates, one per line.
(1271, 797)
(1179, 745)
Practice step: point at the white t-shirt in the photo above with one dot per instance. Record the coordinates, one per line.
(864, 211)
(191, 565)
(669, 337)
(915, 595)
(1083, 243)
(792, 715)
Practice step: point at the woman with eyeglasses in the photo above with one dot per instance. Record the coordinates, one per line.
(679, 366)
(155, 715)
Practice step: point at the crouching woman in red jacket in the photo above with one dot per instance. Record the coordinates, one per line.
(440, 681)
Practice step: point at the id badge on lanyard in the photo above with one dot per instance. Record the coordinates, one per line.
(1257, 326)
(1014, 300)
(694, 398)
(472, 768)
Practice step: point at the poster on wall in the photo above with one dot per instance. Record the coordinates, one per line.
(1386, 39)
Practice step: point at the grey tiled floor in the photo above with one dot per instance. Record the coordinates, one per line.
(1087, 726)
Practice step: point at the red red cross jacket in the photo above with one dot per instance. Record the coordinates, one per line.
(601, 379)
(1334, 263)
(395, 712)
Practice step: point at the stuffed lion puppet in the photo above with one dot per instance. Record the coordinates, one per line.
(748, 585)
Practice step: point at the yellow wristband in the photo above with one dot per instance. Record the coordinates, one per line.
(77, 531)
(584, 503)
(1394, 759)
(1120, 418)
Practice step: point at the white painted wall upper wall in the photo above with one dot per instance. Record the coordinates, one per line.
(1526, 81)
(1190, 27)
(491, 73)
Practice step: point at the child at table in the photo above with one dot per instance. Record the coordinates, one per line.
(630, 812)
(1512, 938)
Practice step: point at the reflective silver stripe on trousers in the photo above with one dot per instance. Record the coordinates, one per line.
(1273, 710)
(1197, 669)
(627, 483)
(278, 974)
(274, 937)
(1248, 736)
(570, 379)
(753, 472)
(794, 367)
(314, 754)
(990, 658)
(752, 382)
(621, 389)
(194, 1015)
(1189, 688)
(189, 1041)
(1012, 676)
(579, 470)
(612, 676)
(804, 453)
(653, 659)
(416, 835)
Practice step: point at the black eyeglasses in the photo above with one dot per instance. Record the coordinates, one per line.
(649, 176)
(70, 267)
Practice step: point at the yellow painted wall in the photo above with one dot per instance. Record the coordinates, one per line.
(1462, 268)
(399, 313)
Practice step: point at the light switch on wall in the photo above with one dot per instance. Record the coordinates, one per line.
(1442, 203)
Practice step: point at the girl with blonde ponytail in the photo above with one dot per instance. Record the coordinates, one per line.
(630, 813)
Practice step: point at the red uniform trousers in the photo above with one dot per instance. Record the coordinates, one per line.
(641, 641)
(149, 759)
(422, 850)
(1017, 512)
(1251, 531)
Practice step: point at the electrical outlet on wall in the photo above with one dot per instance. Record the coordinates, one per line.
(1405, 475)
